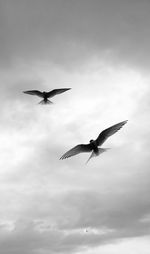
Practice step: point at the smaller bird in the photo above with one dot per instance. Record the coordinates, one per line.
(93, 145)
(46, 95)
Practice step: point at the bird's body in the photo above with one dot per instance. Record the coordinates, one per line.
(93, 145)
(46, 95)
(45, 99)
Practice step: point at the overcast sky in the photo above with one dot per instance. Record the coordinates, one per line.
(100, 49)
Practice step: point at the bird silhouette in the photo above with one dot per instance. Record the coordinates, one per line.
(93, 145)
(46, 95)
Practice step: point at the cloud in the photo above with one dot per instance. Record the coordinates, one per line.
(100, 50)
(107, 217)
(69, 33)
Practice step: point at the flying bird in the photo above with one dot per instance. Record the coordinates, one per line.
(93, 145)
(46, 95)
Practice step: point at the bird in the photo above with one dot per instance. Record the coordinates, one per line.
(93, 145)
(46, 95)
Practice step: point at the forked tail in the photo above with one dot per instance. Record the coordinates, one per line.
(100, 150)
(43, 102)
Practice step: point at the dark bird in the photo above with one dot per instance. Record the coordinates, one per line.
(93, 145)
(46, 95)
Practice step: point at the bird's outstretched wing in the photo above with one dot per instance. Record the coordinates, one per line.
(75, 150)
(57, 91)
(108, 132)
(34, 92)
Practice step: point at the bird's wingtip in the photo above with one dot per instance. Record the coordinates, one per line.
(124, 122)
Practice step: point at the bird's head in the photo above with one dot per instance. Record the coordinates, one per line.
(44, 93)
(91, 141)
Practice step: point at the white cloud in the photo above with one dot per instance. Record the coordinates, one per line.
(59, 200)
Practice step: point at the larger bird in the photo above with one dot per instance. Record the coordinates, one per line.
(93, 145)
(46, 95)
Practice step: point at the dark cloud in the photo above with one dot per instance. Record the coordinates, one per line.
(113, 217)
(66, 32)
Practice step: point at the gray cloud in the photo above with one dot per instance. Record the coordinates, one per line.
(113, 217)
(66, 32)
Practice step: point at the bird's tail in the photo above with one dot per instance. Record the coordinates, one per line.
(43, 102)
(100, 150)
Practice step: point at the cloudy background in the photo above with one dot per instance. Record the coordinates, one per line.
(100, 49)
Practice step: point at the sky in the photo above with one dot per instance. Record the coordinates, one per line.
(99, 49)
